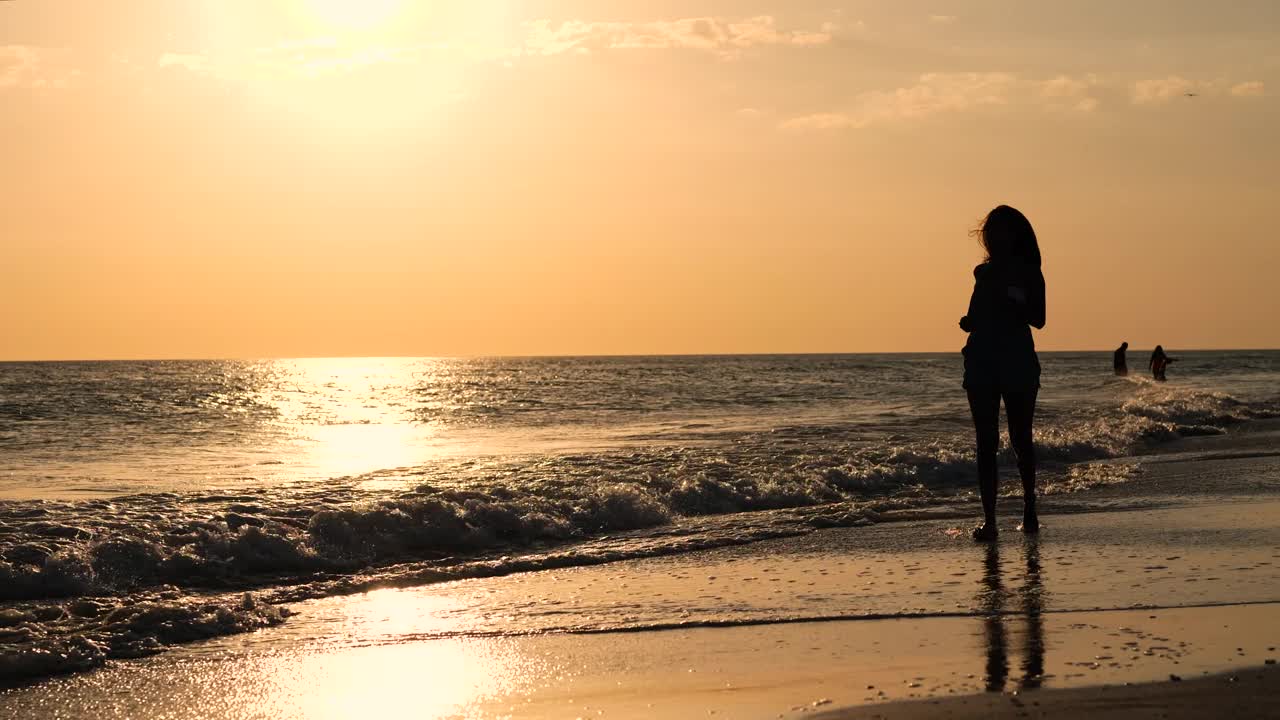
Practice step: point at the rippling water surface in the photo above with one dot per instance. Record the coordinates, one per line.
(109, 428)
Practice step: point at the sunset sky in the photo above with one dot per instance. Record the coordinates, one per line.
(253, 178)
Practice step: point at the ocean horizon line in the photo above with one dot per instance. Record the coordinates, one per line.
(572, 356)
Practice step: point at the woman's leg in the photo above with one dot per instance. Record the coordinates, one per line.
(1020, 407)
(984, 405)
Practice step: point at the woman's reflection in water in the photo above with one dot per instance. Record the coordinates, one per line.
(1031, 595)
(991, 602)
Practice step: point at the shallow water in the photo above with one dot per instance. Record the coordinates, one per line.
(143, 498)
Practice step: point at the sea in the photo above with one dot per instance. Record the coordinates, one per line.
(146, 504)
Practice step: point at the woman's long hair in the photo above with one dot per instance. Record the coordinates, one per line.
(1006, 234)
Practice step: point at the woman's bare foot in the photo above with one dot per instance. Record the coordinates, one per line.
(1030, 524)
(986, 532)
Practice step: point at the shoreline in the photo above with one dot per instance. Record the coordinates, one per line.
(961, 618)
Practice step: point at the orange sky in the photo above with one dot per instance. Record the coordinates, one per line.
(237, 178)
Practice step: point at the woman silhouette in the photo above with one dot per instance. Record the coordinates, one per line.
(1159, 363)
(1000, 357)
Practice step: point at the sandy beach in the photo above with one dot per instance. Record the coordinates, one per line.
(1173, 575)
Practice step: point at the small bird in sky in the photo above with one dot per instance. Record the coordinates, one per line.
(1191, 94)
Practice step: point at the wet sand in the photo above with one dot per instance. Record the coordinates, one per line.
(1251, 695)
(1184, 581)
(767, 671)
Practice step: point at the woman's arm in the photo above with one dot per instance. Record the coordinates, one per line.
(1035, 303)
(967, 323)
(1029, 301)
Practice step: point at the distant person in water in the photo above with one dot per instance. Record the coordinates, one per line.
(1000, 359)
(1122, 368)
(1159, 363)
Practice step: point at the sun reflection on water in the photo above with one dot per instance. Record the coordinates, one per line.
(348, 391)
(348, 416)
(369, 665)
(342, 450)
(416, 680)
(394, 614)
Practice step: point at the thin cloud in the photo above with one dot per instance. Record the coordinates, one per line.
(319, 57)
(1158, 91)
(1162, 90)
(824, 121)
(934, 93)
(26, 66)
(189, 61)
(710, 34)
(1066, 92)
(17, 64)
(937, 93)
(1253, 88)
(322, 57)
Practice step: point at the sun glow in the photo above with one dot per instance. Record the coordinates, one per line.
(355, 14)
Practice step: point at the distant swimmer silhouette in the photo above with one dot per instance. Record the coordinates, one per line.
(1000, 359)
(1159, 363)
(1122, 368)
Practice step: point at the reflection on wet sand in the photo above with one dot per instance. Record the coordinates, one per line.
(1031, 595)
(994, 602)
(991, 602)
